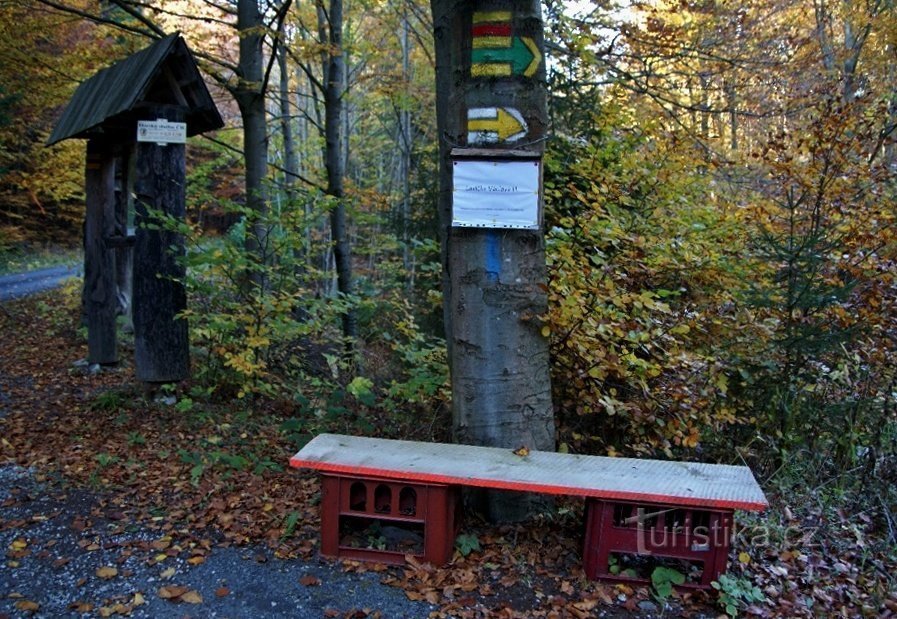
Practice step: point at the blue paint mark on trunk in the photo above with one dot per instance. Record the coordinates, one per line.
(493, 256)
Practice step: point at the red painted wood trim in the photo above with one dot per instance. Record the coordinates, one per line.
(492, 30)
(632, 497)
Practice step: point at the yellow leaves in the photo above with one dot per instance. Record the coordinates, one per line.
(27, 606)
(162, 543)
(598, 372)
(18, 549)
(744, 558)
(722, 383)
(177, 593)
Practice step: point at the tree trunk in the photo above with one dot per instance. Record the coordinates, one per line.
(250, 97)
(334, 162)
(404, 167)
(290, 162)
(99, 258)
(161, 345)
(501, 391)
(449, 131)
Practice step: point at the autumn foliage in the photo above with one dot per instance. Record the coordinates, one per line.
(720, 236)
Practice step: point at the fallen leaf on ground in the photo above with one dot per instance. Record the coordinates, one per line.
(27, 605)
(171, 592)
(309, 581)
(107, 572)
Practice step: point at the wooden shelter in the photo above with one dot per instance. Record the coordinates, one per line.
(127, 180)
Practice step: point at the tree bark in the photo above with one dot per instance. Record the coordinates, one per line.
(161, 346)
(404, 167)
(449, 131)
(290, 161)
(99, 258)
(334, 162)
(250, 97)
(501, 391)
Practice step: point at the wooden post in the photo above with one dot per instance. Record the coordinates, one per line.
(491, 94)
(161, 346)
(99, 258)
(124, 249)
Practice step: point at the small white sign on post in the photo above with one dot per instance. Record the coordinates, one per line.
(496, 194)
(161, 131)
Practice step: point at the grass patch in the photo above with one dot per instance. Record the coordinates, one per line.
(23, 257)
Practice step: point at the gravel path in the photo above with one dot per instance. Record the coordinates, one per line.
(54, 567)
(22, 284)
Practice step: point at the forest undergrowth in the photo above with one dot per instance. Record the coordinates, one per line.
(205, 471)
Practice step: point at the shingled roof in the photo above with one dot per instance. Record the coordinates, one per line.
(110, 101)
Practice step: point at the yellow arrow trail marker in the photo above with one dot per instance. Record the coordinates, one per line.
(494, 124)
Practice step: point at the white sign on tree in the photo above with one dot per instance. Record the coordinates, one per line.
(496, 194)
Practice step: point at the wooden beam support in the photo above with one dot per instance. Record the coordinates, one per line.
(122, 243)
(161, 345)
(99, 259)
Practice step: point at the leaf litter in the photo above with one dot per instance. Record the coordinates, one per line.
(145, 491)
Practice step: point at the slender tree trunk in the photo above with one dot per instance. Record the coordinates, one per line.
(250, 97)
(449, 130)
(405, 151)
(291, 163)
(891, 125)
(334, 161)
(732, 104)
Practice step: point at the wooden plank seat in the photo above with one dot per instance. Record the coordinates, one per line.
(635, 509)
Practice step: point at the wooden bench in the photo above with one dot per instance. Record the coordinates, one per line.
(383, 499)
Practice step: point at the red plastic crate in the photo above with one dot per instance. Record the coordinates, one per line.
(698, 535)
(382, 520)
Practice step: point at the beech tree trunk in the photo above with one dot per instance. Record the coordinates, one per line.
(495, 279)
(99, 257)
(161, 345)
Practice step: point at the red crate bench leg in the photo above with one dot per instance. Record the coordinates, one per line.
(695, 534)
(427, 511)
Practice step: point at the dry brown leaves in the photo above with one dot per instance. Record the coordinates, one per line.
(147, 477)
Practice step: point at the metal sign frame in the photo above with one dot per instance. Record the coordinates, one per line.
(496, 189)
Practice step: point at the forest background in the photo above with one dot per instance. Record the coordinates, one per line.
(719, 217)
